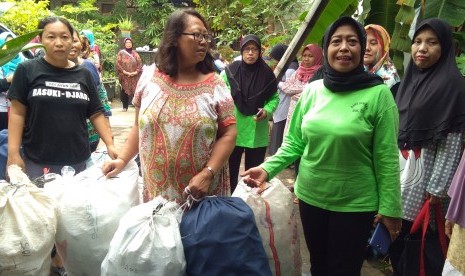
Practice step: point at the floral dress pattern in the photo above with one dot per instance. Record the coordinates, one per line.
(178, 127)
(129, 62)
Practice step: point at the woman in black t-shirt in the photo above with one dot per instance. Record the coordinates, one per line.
(51, 97)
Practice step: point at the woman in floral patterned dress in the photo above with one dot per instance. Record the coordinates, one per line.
(185, 125)
(129, 66)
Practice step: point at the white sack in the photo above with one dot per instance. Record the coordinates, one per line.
(27, 227)
(90, 207)
(147, 242)
(275, 217)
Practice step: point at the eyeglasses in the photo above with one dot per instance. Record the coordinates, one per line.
(199, 36)
(251, 49)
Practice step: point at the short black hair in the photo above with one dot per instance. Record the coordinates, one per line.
(52, 19)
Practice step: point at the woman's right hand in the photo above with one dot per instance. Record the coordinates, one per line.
(255, 177)
(448, 228)
(113, 167)
(16, 159)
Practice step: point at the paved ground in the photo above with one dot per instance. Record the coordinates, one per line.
(121, 123)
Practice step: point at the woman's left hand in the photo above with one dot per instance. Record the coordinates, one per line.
(393, 225)
(262, 116)
(200, 183)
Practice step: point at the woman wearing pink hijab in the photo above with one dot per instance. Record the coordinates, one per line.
(311, 61)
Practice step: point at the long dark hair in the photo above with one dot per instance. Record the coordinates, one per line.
(52, 19)
(166, 57)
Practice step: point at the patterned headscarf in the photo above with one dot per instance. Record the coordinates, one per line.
(383, 38)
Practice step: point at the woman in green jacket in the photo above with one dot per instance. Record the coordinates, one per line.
(254, 90)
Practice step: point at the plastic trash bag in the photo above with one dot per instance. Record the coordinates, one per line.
(147, 242)
(89, 209)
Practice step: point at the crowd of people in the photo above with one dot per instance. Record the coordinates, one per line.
(367, 146)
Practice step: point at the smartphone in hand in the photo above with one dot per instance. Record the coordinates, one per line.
(381, 239)
(259, 113)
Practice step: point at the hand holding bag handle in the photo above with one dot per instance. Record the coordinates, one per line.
(423, 220)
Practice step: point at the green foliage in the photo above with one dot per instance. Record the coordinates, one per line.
(273, 21)
(125, 23)
(453, 11)
(151, 16)
(332, 11)
(461, 63)
(17, 45)
(85, 10)
(24, 16)
(87, 17)
(381, 13)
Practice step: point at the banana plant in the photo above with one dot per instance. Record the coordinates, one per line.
(333, 10)
(16, 45)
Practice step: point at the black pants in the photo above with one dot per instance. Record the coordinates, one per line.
(124, 99)
(3, 120)
(337, 241)
(397, 246)
(277, 133)
(253, 158)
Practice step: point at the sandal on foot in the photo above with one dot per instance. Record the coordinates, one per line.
(60, 271)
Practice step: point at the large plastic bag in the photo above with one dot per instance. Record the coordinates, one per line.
(90, 207)
(220, 238)
(147, 242)
(27, 227)
(276, 221)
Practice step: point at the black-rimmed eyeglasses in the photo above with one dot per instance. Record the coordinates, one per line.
(199, 36)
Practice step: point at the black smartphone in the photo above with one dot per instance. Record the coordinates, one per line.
(259, 113)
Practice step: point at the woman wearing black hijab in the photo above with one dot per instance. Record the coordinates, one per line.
(431, 102)
(344, 128)
(253, 88)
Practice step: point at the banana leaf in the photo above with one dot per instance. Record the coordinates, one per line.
(333, 10)
(452, 11)
(382, 12)
(366, 9)
(460, 37)
(17, 45)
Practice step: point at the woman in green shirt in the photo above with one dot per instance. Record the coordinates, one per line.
(254, 91)
(345, 129)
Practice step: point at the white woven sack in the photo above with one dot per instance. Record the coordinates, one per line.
(275, 217)
(147, 242)
(450, 270)
(27, 229)
(90, 207)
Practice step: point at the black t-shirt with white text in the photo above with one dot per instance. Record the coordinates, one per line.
(58, 102)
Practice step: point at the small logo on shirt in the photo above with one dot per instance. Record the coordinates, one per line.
(63, 85)
(359, 107)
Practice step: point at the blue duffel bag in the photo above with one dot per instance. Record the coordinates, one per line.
(220, 237)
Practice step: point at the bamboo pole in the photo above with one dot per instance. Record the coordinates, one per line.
(300, 37)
